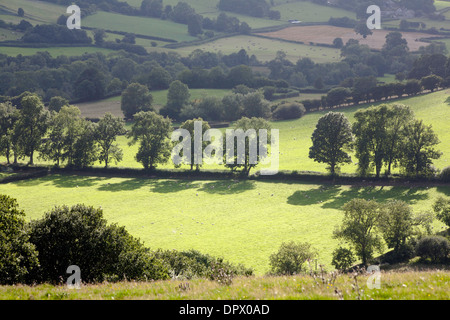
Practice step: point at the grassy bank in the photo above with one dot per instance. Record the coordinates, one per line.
(424, 285)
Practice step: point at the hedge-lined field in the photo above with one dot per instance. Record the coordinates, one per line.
(243, 221)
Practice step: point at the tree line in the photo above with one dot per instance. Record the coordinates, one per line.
(65, 138)
(385, 136)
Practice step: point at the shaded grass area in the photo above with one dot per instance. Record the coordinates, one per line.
(241, 221)
(424, 285)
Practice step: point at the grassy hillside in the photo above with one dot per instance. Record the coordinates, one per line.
(424, 285)
(242, 221)
(36, 12)
(54, 51)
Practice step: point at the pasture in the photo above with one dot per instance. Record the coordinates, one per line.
(138, 25)
(54, 51)
(36, 12)
(242, 221)
(266, 49)
(295, 135)
(326, 35)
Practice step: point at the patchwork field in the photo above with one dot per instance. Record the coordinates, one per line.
(139, 25)
(242, 221)
(326, 35)
(54, 51)
(35, 11)
(266, 49)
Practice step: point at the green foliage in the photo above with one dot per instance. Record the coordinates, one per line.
(397, 223)
(80, 236)
(343, 258)
(18, 256)
(445, 174)
(418, 151)
(288, 111)
(56, 103)
(31, 125)
(177, 97)
(250, 130)
(291, 258)
(358, 228)
(331, 139)
(192, 264)
(106, 132)
(136, 98)
(152, 132)
(442, 209)
(436, 248)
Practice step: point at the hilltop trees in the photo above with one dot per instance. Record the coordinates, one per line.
(106, 132)
(136, 97)
(331, 139)
(152, 131)
(32, 125)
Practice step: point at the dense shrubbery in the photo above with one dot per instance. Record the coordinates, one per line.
(291, 258)
(81, 236)
(287, 111)
(435, 248)
(42, 250)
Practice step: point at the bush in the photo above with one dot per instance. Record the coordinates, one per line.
(80, 236)
(193, 264)
(288, 111)
(436, 248)
(343, 258)
(290, 258)
(442, 209)
(445, 174)
(17, 255)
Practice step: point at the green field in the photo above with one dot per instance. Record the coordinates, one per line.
(309, 12)
(266, 49)
(35, 11)
(139, 25)
(242, 221)
(295, 135)
(54, 51)
(441, 4)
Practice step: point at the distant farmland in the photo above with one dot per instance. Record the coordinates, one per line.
(266, 49)
(326, 35)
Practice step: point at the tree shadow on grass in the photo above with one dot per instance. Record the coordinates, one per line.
(155, 185)
(333, 197)
(228, 187)
(444, 189)
(75, 181)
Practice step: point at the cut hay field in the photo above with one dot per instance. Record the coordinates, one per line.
(139, 25)
(326, 35)
(266, 49)
(36, 12)
(241, 221)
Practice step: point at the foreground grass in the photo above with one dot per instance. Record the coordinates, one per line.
(424, 285)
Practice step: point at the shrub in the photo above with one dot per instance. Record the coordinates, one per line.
(436, 248)
(288, 111)
(343, 258)
(445, 174)
(442, 209)
(80, 236)
(17, 255)
(193, 264)
(290, 258)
